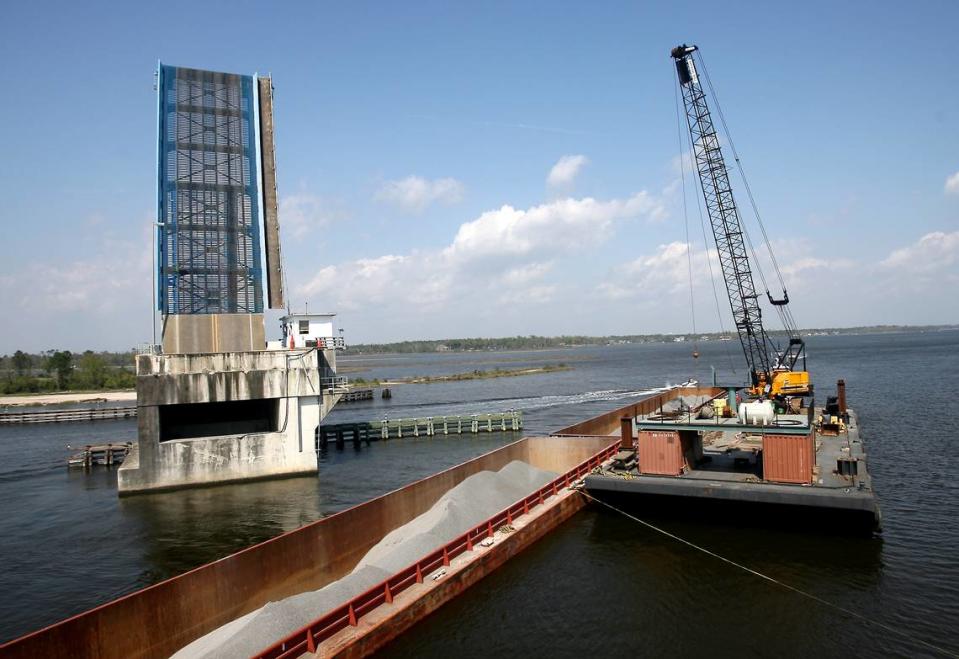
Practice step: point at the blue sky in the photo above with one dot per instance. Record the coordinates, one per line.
(415, 143)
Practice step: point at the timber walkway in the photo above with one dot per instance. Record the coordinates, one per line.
(369, 431)
(68, 416)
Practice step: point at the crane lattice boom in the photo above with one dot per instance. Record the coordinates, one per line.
(761, 354)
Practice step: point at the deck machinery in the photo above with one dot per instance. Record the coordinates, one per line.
(755, 441)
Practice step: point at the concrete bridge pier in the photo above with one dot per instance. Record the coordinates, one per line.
(226, 417)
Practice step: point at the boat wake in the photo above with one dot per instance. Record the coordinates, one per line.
(538, 402)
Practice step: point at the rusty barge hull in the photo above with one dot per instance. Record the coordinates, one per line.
(163, 618)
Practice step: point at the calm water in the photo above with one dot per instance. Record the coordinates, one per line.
(599, 585)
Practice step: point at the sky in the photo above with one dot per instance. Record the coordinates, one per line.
(493, 169)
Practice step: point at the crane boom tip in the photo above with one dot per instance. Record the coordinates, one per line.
(680, 52)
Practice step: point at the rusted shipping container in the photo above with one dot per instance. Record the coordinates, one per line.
(789, 458)
(661, 453)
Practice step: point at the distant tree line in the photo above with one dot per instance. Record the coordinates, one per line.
(62, 370)
(534, 342)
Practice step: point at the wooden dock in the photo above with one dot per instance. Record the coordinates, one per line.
(69, 416)
(356, 394)
(369, 431)
(101, 454)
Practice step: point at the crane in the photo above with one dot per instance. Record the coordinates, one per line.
(773, 370)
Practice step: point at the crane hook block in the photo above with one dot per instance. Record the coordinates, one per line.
(778, 303)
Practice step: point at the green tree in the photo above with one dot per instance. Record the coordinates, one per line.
(22, 362)
(59, 365)
(92, 371)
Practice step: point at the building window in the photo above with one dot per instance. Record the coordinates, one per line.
(304, 327)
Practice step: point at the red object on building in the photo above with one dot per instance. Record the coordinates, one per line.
(661, 453)
(789, 458)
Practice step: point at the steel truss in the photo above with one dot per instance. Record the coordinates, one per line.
(209, 243)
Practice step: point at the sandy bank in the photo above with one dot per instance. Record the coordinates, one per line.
(78, 397)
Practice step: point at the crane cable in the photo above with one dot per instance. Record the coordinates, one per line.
(798, 591)
(742, 173)
(785, 315)
(702, 223)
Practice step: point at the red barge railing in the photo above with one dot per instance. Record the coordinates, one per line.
(348, 615)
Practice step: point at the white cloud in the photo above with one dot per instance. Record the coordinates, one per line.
(302, 213)
(932, 252)
(98, 301)
(952, 184)
(504, 255)
(367, 281)
(525, 274)
(100, 283)
(664, 272)
(565, 171)
(531, 295)
(414, 194)
(564, 225)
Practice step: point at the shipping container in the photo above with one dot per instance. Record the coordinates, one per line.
(661, 453)
(789, 458)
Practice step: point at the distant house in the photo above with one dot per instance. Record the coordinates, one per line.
(442, 348)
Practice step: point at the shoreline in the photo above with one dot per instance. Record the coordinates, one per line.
(20, 400)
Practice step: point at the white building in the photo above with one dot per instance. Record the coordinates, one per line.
(309, 330)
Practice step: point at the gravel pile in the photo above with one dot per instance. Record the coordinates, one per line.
(475, 499)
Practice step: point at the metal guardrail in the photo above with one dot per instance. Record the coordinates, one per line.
(452, 425)
(330, 343)
(348, 615)
(335, 384)
(369, 431)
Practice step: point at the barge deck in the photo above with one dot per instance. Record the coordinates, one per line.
(729, 464)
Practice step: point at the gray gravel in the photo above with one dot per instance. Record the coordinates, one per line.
(475, 499)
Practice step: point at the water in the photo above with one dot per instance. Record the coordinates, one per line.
(600, 583)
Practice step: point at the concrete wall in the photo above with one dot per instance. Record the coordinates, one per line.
(204, 333)
(293, 378)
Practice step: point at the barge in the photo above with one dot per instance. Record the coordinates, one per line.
(160, 620)
(810, 461)
(604, 455)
